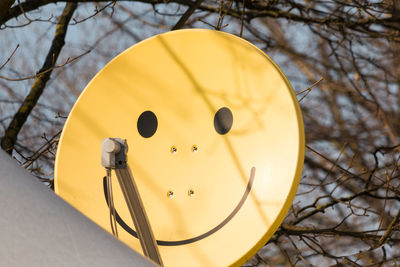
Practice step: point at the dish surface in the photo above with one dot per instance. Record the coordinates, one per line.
(216, 145)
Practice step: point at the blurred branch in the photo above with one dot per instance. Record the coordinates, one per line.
(187, 14)
(362, 22)
(35, 76)
(41, 150)
(5, 6)
(296, 230)
(11, 133)
(308, 90)
(9, 58)
(389, 230)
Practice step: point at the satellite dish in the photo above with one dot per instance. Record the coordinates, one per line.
(216, 145)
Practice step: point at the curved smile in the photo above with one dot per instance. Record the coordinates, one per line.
(193, 239)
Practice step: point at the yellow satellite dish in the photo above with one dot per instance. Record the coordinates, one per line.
(216, 145)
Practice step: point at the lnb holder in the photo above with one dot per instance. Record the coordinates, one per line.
(113, 156)
(113, 153)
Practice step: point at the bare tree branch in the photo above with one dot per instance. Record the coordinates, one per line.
(5, 5)
(187, 14)
(11, 133)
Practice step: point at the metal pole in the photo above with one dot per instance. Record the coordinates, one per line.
(114, 156)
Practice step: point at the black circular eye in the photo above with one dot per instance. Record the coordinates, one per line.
(147, 124)
(223, 120)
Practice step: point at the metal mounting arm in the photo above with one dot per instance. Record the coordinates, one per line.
(114, 156)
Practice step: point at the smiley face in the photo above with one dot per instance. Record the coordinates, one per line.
(216, 145)
(147, 126)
